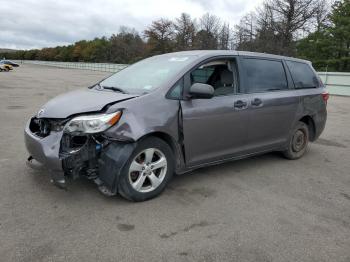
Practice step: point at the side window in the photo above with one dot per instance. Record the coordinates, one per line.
(302, 74)
(264, 75)
(220, 74)
(201, 75)
(176, 90)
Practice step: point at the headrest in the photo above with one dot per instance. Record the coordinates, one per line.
(226, 77)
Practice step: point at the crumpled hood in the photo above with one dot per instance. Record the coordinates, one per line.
(80, 101)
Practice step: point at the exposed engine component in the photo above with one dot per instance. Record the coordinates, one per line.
(79, 154)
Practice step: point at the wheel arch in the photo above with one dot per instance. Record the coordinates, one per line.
(309, 121)
(172, 143)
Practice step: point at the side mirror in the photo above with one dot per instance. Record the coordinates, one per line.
(199, 90)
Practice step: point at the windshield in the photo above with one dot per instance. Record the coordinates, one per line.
(148, 74)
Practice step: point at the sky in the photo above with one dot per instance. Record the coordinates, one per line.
(27, 24)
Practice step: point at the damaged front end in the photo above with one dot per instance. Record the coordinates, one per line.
(95, 157)
(77, 147)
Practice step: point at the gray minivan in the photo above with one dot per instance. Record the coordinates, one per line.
(175, 112)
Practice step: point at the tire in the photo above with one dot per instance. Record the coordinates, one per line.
(148, 170)
(298, 142)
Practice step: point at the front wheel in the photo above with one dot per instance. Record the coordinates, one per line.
(298, 142)
(148, 170)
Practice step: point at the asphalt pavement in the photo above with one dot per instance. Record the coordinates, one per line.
(264, 208)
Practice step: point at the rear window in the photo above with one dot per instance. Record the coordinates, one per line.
(264, 75)
(302, 74)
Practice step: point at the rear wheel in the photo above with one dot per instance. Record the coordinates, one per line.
(148, 170)
(298, 142)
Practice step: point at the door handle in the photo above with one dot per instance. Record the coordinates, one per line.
(256, 102)
(240, 104)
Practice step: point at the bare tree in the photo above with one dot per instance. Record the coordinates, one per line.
(210, 23)
(321, 14)
(185, 32)
(245, 32)
(207, 37)
(225, 37)
(291, 17)
(268, 36)
(277, 25)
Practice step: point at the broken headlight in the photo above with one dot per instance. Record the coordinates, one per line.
(90, 124)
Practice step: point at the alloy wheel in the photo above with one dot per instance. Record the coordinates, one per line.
(147, 170)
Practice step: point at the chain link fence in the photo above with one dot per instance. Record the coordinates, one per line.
(105, 67)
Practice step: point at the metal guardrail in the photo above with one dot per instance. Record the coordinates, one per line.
(338, 83)
(105, 67)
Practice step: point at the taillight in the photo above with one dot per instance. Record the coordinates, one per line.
(325, 96)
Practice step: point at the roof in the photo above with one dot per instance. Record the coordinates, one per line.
(209, 53)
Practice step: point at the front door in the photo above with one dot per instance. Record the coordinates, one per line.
(214, 128)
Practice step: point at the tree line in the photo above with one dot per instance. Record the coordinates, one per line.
(310, 29)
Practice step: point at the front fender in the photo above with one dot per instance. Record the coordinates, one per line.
(144, 115)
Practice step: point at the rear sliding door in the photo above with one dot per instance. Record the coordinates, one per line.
(272, 102)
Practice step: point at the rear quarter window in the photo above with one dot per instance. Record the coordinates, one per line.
(302, 74)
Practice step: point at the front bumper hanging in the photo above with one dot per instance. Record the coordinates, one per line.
(94, 157)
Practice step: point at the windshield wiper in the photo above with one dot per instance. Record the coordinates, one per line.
(113, 88)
